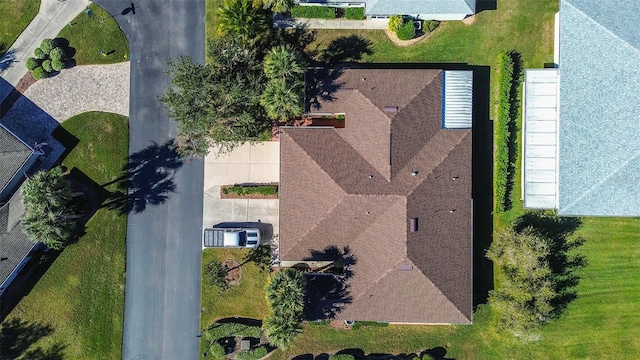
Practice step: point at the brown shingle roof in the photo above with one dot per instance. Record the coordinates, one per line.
(328, 198)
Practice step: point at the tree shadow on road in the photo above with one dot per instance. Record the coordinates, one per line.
(147, 179)
(17, 337)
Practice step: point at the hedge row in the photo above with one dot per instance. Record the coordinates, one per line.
(354, 13)
(510, 71)
(222, 330)
(248, 190)
(313, 12)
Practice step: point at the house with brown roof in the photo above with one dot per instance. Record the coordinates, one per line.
(386, 197)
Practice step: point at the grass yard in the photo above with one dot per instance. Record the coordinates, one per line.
(90, 35)
(16, 15)
(81, 296)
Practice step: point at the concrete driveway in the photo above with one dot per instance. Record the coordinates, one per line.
(249, 163)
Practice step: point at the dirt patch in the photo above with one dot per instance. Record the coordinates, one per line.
(469, 20)
(394, 38)
(234, 275)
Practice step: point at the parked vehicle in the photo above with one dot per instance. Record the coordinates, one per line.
(232, 237)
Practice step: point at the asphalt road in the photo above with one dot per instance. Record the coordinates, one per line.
(162, 293)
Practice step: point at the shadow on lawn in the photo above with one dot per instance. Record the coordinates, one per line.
(436, 353)
(563, 263)
(148, 179)
(346, 48)
(17, 337)
(327, 293)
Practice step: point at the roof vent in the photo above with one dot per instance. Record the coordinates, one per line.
(405, 267)
(414, 173)
(413, 224)
(391, 109)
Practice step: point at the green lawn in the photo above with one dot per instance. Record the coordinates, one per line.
(16, 15)
(81, 296)
(90, 35)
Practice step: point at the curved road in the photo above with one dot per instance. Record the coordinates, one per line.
(162, 294)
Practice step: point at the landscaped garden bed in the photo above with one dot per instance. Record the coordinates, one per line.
(249, 191)
(327, 12)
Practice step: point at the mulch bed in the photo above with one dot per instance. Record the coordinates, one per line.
(234, 276)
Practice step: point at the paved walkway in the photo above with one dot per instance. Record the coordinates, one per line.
(281, 22)
(52, 17)
(83, 88)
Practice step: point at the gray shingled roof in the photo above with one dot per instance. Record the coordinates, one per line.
(14, 244)
(354, 187)
(599, 126)
(13, 153)
(412, 7)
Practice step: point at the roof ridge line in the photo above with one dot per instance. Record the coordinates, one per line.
(424, 86)
(382, 276)
(598, 24)
(603, 180)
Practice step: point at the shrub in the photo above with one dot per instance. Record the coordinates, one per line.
(216, 351)
(506, 137)
(430, 25)
(32, 63)
(57, 65)
(39, 73)
(216, 275)
(57, 54)
(46, 65)
(313, 12)
(39, 54)
(342, 357)
(395, 23)
(407, 31)
(47, 45)
(223, 330)
(354, 13)
(249, 190)
(255, 354)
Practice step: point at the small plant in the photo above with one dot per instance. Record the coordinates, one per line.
(57, 54)
(354, 13)
(430, 25)
(47, 45)
(39, 54)
(46, 65)
(32, 63)
(395, 23)
(39, 73)
(313, 12)
(57, 65)
(407, 31)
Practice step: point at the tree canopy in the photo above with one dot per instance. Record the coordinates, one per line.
(285, 297)
(283, 96)
(241, 19)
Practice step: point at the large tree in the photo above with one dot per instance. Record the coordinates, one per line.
(283, 61)
(241, 19)
(285, 297)
(217, 104)
(49, 215)
(283, 96)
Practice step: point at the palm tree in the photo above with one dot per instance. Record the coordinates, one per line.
(281, 331)
(285, 297)
(239, 18)
(283, 61)
(49, 216)
(279, 6)
(281, 100)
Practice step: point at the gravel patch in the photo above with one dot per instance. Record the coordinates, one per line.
(83, 88)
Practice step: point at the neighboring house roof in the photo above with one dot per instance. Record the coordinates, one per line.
(353, 187)
(599, 116)
(411, 7)
(13, 154)
(14, 244)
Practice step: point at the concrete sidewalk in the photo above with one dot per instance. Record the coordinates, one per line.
(281, 21)
(52, 17)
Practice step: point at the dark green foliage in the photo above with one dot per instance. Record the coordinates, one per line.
(354, 13)
(222, 330)
(46, 65)
(218, 103)
(215, 351)
(249, 190)
(39, 73)
(360, 324)
(57, 54)
(57, 65)
(510, 71)
(253, 354)
(277, 6)
(430, 25)
(216, 274)
(285, 297)
(283, 100)
(395, 23)
(342, 357)
(32, 63)
(39, 54)
(47, 45)
(313, 12)
(284, 61)
(240, 19)
(406, 31)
